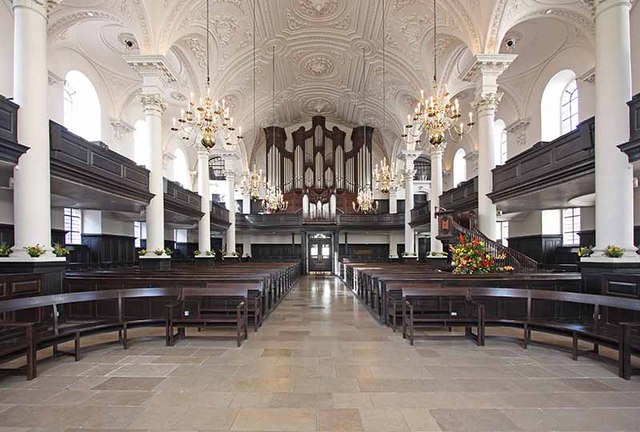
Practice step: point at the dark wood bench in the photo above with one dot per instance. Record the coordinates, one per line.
(622, 336)
(231, 311)
(415, 316)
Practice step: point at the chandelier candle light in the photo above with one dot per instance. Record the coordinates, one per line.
(437, 115)
(252, 184)
(274, 201)
(386, 178)
(364, 202)
(207, 117)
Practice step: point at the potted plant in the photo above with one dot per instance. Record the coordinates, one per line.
(168, 252)
(471, 256)
(158, 252)
(613, 251)
(5, 250)
(210, 253)
(59, 250)
(585, 251)
(196, 253)
(142, 252)
(35, 251)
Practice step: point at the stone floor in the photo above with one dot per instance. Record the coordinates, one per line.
(321, 362)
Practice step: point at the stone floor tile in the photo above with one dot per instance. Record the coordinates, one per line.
(342, 419)
(276, 419)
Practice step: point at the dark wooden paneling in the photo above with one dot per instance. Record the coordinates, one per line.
(632, 148)
(109, 250)
(10, 150)
(184, 203)
(421, 215)
(464, 197)
(541, 248)
(546, 164)
(219, 215)
(268, 252)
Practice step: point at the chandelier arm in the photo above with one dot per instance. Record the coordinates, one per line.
(208, 71)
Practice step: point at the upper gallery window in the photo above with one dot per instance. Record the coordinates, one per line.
(501, 142)
(559, 105)
(82, 113)
(459, 167)
(569, 107)
(181, 169)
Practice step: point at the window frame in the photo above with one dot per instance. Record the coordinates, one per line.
(569, 99)
(72, 219)
(570, 236)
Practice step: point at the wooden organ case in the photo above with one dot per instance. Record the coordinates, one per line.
(319, 163)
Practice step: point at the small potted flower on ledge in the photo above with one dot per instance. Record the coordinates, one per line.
(168, 252)
(613, 251)
(210, 253)
(142, 252)
(585, 251)
(158, 252)
(60, 251)
(35, 251)
(5, 250)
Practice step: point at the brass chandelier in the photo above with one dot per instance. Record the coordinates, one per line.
(274, 201)
(438, 115)
(206, 117)
(364, 202)
(252, 183)
(386, 178)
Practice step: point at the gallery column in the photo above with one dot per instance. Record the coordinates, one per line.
(614, 174)
(436, 190)
(409, 239)
(32, 180)
(484, 72)
(204, 225)
(231, 206)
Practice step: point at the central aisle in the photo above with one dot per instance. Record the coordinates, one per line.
(321, 362)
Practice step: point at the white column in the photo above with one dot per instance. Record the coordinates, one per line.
(231, 206)
(246, 203)
(485, 72)
(393, 202)
(409, 239)
(246, 245)
(204, 225)
(614, 174)
(393, 246)
(436, 191)
(32, 184)
(154, 105)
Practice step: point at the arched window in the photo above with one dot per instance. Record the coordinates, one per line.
(141, 145)
(459, 167)
(422, 167)
(569, 107)
(181, 169)
(501, 142)
(217, 168)
(559, 105)
(82, 113)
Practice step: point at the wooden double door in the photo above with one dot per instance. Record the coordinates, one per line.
(320, 253)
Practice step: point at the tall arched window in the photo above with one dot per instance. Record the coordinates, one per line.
(501, 142)
(141, 148)
(82, 113)
(559, 105)
(569, 107)
(459, 167)
(181, 169)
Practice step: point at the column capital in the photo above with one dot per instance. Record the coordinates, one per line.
(600, 6)
(485, 70)
(411, 155)
(43, 7)
(588, 77)
(153, 103)
(152, 68)
(437, 150)
(487, 103)
(203, 153)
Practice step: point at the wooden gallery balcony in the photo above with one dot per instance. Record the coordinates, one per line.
(10, 150)
(549, 174)
(295, 222)
(632, 148)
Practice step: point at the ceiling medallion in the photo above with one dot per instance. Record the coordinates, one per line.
(319, 105)
(318, 8)
(318, 66)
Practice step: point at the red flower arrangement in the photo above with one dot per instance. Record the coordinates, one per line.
(471, 256)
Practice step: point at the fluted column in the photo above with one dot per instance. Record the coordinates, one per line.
(32, 184)
(436, 191)
(409, 239)
(231, 206)
(154, 105)
(614, 174)
(204, 225)
(484, 72)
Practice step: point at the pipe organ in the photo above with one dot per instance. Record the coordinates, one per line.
(319, 162)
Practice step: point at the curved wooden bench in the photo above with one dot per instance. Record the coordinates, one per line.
(622, 337)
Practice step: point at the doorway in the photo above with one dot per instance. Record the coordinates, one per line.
(320, 253)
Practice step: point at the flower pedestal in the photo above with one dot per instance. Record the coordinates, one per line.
(592, 269)
(204, 260)
(409, 259)
(155, 262)
(232, 258)
(51, 268)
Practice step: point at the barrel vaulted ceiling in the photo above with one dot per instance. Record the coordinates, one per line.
(318, 51)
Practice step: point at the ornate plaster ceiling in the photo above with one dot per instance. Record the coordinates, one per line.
(318, 50)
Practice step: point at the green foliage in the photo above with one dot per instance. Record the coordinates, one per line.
(5, 250)
(585, 251)
(613, 251)
(59, 250)
(35, 251)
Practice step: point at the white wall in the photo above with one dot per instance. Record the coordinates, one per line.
(635, 48)
(526, 224)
